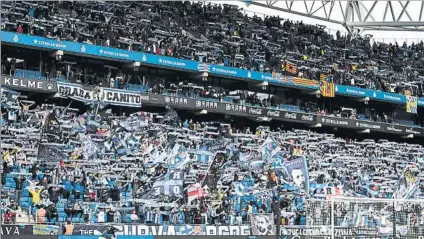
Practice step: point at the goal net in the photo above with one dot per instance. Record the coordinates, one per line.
(350, 218)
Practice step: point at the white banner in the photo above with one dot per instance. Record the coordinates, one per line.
(106, 95)
(121, 97)
(262, 224)
(74, 91)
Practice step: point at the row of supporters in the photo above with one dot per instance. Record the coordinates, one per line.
(109, 96)
(289, 71)
(89, 165)
(241, 42)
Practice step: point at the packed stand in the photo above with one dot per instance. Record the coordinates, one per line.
(112, 77)
(221, 34)
(63, 166)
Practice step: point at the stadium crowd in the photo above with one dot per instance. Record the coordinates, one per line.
(65, 165)
(222, 34)
(61, 166)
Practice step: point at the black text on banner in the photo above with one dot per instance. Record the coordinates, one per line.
(121, 97)
(75, 91)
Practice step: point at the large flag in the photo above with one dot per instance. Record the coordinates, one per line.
(262, 224)
(178, 157)
(327, 89)
(134, 124)
(89, 148)
(411, 104)
(50, 153)
(406, 186)
(52, 125)
(195, 191)
(268, 149)
(170, 184)
(298, 171)
(290, 67)
(304, 82)
(278, 160)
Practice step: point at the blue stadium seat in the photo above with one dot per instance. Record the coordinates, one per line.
(19, 73)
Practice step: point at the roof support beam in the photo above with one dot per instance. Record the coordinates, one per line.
(383, 24)
(367, 15)
(370, 11)
(260, 4)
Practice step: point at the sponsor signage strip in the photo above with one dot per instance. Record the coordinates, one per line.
(136, 99)
(16, 83)
(161, 231)
(85, 231)
(296, 117)
(170, 62)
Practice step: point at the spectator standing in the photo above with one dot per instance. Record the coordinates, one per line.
(68, 229)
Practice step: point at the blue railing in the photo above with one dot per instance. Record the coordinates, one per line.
(171, 62)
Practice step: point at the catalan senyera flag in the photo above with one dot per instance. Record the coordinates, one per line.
(327, 89)
(291, 68)
(304, 82)
(323, 77)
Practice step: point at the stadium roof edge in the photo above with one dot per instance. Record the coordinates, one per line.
(380, 15)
